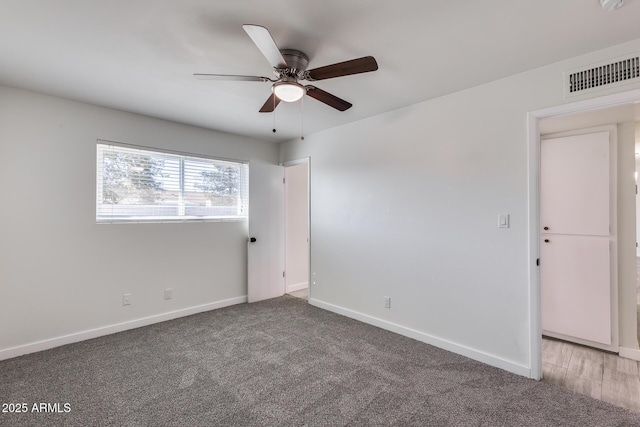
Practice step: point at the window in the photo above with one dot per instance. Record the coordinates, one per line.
(142, 185)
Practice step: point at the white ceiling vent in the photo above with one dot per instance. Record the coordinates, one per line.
(618, 72)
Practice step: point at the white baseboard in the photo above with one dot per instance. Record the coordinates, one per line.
(297, 287)
(429, 339)
(112, 329)
(629, 353)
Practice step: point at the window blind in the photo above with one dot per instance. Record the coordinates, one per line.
(143, 185)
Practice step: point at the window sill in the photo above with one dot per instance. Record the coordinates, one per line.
(168, 220)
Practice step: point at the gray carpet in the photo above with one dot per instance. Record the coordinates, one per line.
(281, 363)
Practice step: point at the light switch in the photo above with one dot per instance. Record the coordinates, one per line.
(503, 221)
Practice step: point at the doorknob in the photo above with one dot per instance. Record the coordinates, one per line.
(546, 240)
(546, 228)
(252, 239)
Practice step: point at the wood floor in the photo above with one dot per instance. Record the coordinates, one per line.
(302, 293)
(601, 375)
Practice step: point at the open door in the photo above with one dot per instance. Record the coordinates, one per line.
(265, 252)
(578, 289)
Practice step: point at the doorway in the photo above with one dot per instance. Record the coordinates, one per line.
(296, 200)
(598, 108)
(587, 370)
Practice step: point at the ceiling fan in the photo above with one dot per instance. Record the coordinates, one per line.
(290, 66)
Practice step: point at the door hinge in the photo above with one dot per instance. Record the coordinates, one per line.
(538, 262)
(283, 275)
(283, 179)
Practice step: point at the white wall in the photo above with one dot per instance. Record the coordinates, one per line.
(297, 227)
(61, 273)
(406, 204)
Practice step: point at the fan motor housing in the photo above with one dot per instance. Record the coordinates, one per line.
(296, 60)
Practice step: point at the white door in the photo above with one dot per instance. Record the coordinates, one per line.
(577, 288)
(575, 185)
(265, 253)
(576, 297)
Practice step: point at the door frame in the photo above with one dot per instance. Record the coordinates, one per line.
(533, 155)
(286, 164)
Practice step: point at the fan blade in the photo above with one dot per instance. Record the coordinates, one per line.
(231, 77)
(355, 66)
(271, 104)
(262, 38)
(327, 98)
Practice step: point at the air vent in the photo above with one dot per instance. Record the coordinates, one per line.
(602, 76)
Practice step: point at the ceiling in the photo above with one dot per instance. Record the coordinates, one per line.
(139, 55)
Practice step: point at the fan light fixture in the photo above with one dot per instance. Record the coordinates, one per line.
(288, 91)
(610, 5)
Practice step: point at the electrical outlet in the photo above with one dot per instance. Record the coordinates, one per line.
(387, 302)
(126, 299)
(168, 293)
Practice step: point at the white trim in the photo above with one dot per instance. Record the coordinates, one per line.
(471, 353)
(533, 145)
(297, 287)
(166, 151)
(118, 327)
(622, 98)
(535, 325)
(630, 353)
(296, 162)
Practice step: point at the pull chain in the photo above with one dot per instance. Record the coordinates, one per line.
(302, 118)
(274, 114)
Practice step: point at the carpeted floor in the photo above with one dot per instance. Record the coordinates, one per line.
(281, 362)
